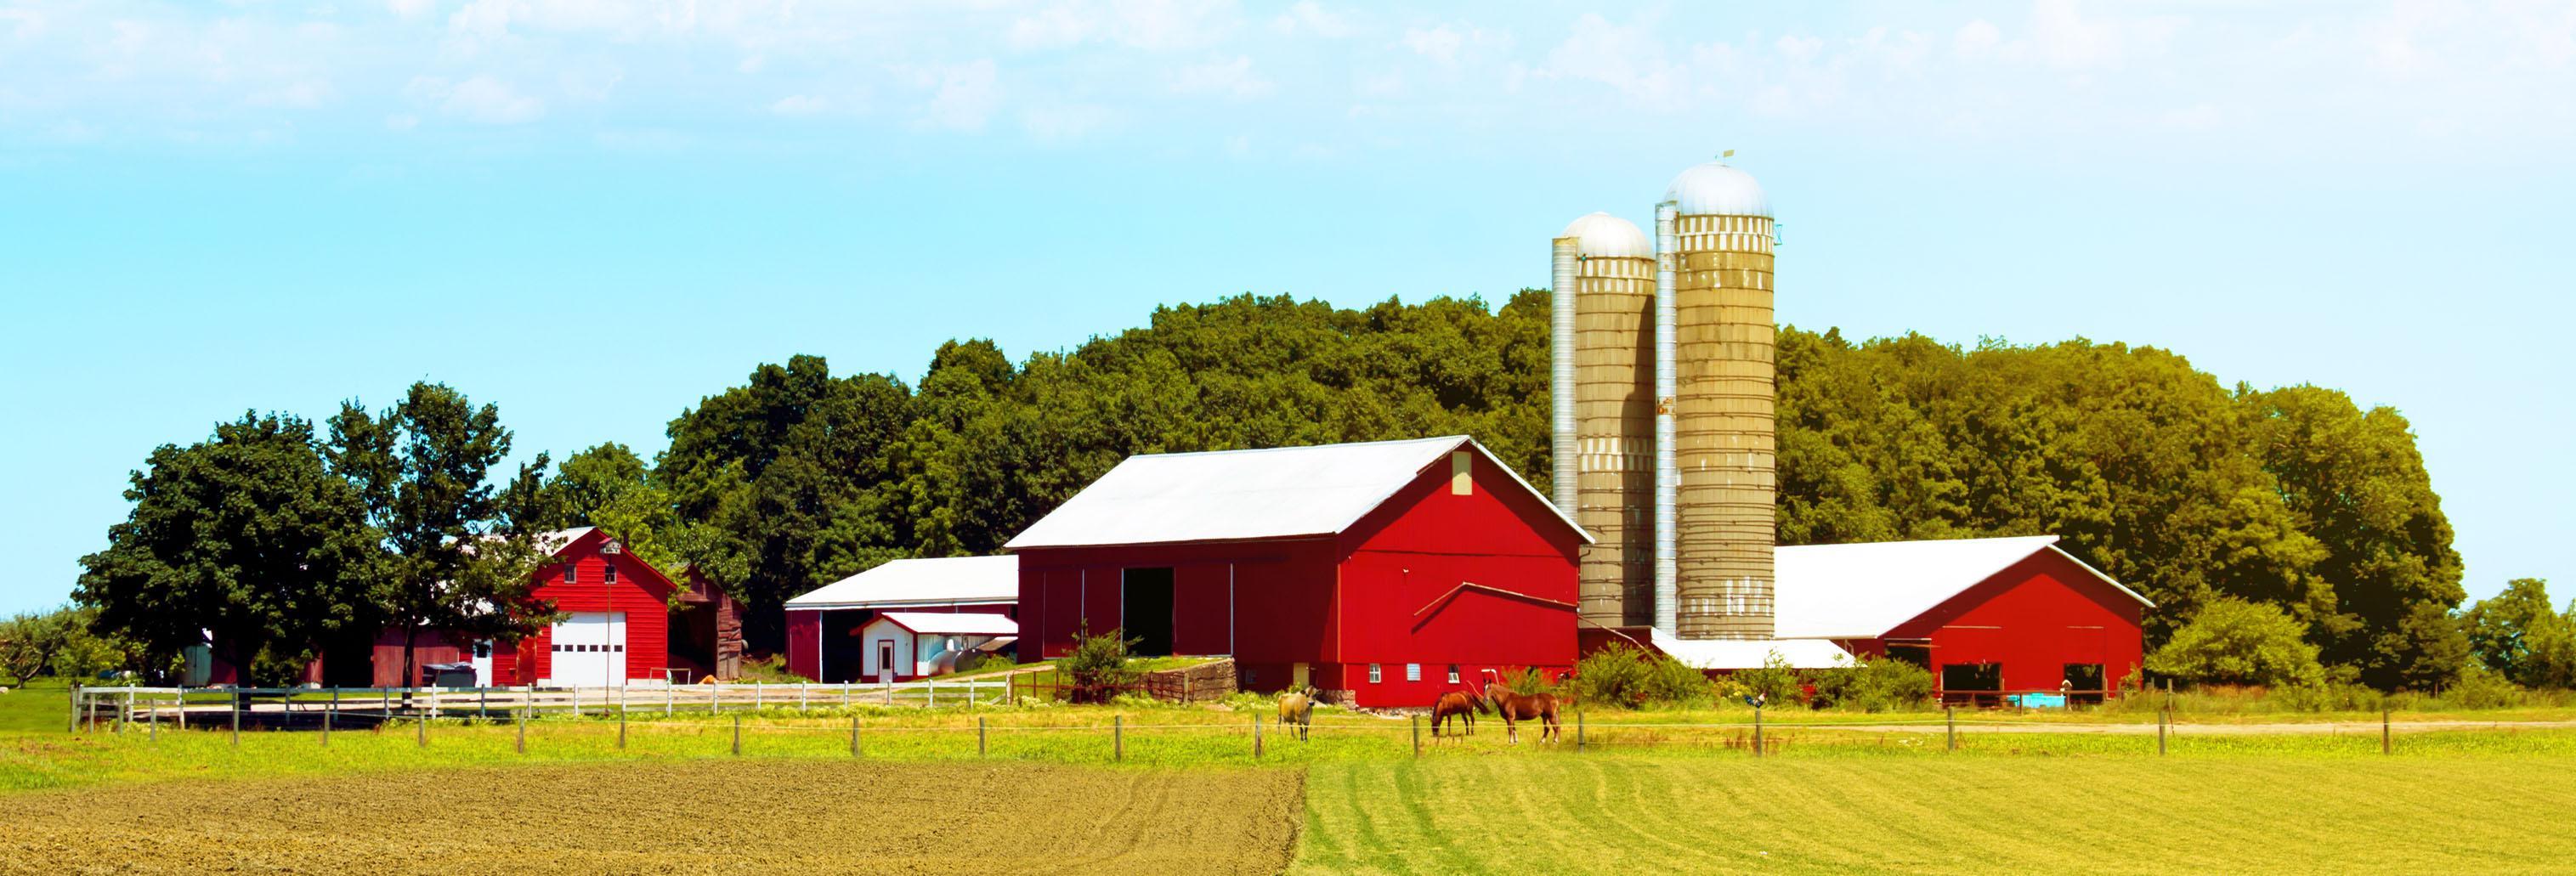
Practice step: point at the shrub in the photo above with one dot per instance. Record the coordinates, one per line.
(2233, 641)
(1099, 667)
(1625, 676)
(2483, 688)
(1528, 682)
(1774, 682)
(1873, 685)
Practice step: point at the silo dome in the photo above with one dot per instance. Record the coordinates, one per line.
(1715, 189)
(1601, 235)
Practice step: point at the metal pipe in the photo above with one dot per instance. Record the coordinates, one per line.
(1668, 476)
(1561, 376)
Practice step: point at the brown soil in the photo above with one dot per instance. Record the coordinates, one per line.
(773, 818)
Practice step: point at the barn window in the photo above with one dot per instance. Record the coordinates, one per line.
(572, 574)
(1462, 479)
(1375, 674)
(608, 573)
(1453, 673)
(1413, 672)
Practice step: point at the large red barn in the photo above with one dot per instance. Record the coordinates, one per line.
(1390, 570)
(1988, 616)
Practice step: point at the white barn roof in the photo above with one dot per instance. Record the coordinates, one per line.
(933, 581)
(1861, 591)
(940, 623)
(1750, 653)
(1236, 495)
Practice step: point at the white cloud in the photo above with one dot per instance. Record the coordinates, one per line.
(964, 96)
(1799, 48)
(1231, 79)
(300, 94)
(1135, 24)
(1629, 59)
(481, 99)
(401, 122)
(1063, 122)
(1438, 44)
(410, 8)
(1976, 39)
(2068, 39)
(800, 105)
(1310, 17)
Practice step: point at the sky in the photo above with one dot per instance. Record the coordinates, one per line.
(596, 212)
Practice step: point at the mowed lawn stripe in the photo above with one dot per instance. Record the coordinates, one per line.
(1631, 812)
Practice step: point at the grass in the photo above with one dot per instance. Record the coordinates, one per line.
(1622, 813)
(43, 705)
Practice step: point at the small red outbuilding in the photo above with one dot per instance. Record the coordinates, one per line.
(1988, 616)
(1392, 570)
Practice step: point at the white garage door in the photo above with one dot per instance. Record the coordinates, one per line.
(590, 649)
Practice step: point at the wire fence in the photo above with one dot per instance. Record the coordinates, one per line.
(783, 719)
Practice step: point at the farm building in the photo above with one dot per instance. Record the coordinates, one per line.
(1988, 616)
(824, 640)
(905, 645)
(1389, 570)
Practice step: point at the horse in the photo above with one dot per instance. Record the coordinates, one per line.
(1298, 707)
(1515, 707)
(1460, 704)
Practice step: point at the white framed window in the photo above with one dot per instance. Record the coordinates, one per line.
(1413, 672)
(1375, 674)
(1453, 673)
(572, 573)
(608, 573)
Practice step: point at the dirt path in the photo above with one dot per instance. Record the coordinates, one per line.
(2322, 728)
(767, 817)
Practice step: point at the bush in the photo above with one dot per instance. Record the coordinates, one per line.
(2483, 688)
(1629, 677)
(1775, 682)
(1529, 682)
(1099, 667)
(1873, 685)
(2233, 641)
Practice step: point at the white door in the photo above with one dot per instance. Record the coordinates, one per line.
(483, 663)
(589, 649)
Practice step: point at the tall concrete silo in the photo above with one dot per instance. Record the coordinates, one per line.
(1719, 243)
(1611, 274)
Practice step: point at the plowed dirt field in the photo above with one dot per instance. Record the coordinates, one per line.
(772, 818)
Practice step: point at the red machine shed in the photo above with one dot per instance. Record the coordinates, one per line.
(1989, 616)
(617, 624)
(823, 625)
(1391, 570)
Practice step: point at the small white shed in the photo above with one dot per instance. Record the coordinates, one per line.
(906, 643)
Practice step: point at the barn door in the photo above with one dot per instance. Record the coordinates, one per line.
(885, 659)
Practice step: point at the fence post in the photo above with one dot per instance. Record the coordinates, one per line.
(1118, 737)
(522, 714)
(152, 725)
(1578, 729)
(74, 725)
(737, 735)
(854, 735)
(2161, 718)
(420, 729)
(1256, 737)
(1416, 722)
(2384, 747)
(933, 688)
(800, 696)
(759, 695)
(670, 699)
(1950, 724)
(621, 729)
(482, 702)
(330, 716)
(979, 737)
(237, 707)
(1757, 730)
(712, 705)
(846, 688)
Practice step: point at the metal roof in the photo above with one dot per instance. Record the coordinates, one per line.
(1236, 495)
(1601, 235)
(940, 623)
(1719, 190)
(921, 582)
(1750, 653)
(1861, 591)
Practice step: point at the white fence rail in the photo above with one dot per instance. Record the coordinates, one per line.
(113, 707)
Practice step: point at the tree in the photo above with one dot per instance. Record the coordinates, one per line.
(2233, 641)
(29, 641)
(247, 538)
(607, 486)
(2522, 637)
(453, 561)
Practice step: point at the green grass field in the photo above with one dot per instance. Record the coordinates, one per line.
(1665, 791)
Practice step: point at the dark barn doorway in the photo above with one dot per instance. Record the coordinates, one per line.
(1146, 612)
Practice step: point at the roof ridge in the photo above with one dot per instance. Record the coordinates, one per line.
(1383, 442)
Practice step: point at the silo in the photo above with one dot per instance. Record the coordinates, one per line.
(1723, 531)
(1613, 279)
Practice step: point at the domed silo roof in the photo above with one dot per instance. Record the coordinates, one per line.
(1601, 235)
(1715, 189)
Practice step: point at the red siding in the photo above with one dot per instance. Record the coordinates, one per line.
(2033, 619)
(1340, 603)
(641, 592)
(805, 642)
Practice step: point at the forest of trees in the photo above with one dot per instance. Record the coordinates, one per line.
(2188, 490)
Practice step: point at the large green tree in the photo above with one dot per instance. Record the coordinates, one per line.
(247, 537)
(2521, 636)
(453, 561)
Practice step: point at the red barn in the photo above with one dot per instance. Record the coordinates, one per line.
(1392, 570)
(824, 641)
(617, 623)
(1988, 616)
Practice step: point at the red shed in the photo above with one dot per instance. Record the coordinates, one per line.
(1392, 570)
(617, 623)
(1988, 616)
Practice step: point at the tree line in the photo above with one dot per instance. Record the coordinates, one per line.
(2195, 493)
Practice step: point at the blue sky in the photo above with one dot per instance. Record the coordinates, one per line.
(595, 212)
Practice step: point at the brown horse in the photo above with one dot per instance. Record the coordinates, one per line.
(1515, 708)
(1460, 704)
